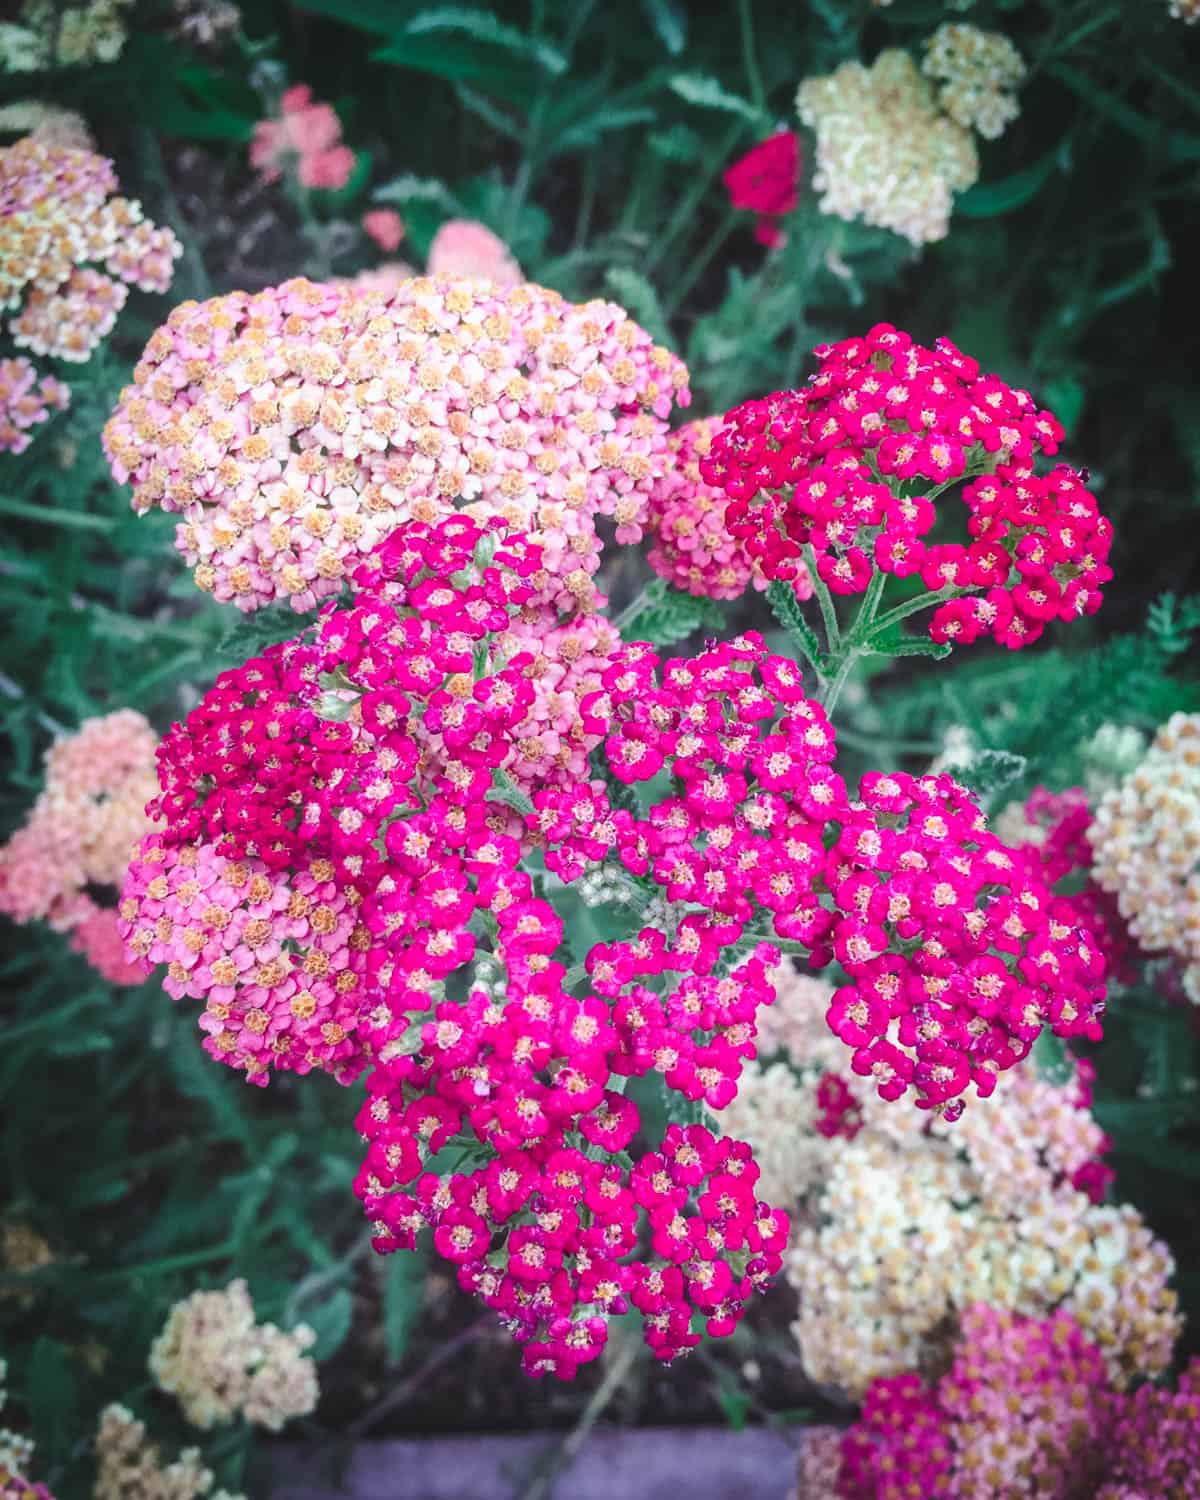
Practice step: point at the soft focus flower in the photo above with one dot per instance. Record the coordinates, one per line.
(305, 138)
(206, 23)
(130, 1467)
(766, 180)
(885, 154)
(1187, 11)
(385, 227)
(839, 466)
(1146, 843)
(691, 547)
(1002, 1205)
(80, 834)
(49, 34)
(46, 123)
(977, 71)
(296, 428)
(56, 217)
(25, 401)
(462, 247)
(219, 1363)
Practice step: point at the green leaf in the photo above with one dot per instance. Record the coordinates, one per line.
(330, 1320)
(1106, 104)
(481, 105)
(1065, 396)
(679, 143)
(894, 643)
(381, 16)
(987, 199)
(403, 1298)
(461, 59)
(781, 596)
(670, 22)
(639, 298)
(664, 616)
(483, 27)
(408, 189)
(705, 92)
(52, 1393)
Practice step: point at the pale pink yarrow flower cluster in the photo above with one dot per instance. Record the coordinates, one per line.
(81, 832)
(294, 429)
(385, 227)
(25, 401)
(464, 247)
(220, 1363)
(70, 250)
(691, 547)
(306, 137)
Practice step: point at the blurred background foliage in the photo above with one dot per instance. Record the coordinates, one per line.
(592, 138)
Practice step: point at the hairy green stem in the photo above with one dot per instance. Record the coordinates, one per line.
(622, 1362)
(749, 55)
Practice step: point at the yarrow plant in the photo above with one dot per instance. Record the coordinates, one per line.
(305, 140)
(69, 252)
(1007, 1204)
(368, 838)
(79, 836)
(294, 429)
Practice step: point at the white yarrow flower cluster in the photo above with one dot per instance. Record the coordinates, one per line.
(1146, 838)
(885, 153)
(220, 1364)
(977, 72)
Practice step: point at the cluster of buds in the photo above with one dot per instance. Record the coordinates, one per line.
(294, 429)
(851, 466)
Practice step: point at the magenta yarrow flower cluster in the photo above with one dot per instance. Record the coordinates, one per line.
(851, 466)
(294, 429)
(957, 954)
(363, 759)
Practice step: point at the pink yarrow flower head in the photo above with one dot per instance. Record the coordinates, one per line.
(305, 137)
(691, 547)
(1023, 1411)
(464, 247)
(385, 227)
(767, 181)
(294, 429)
(76, 844)
(69, 251)
(854, 465)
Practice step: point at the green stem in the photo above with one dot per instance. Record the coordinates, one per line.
(750, 57)
(851, 647)
(686, 207)
(824, 598)
(701, 261)
(622, 1362)
(650, 597)
(913, 606)
(80, 520)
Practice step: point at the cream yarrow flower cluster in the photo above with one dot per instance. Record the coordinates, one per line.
(51, 34)
(294, 429)
(130, 1467)
(1146, 840)
(885, 153)
(219, 1363)
(977, 72)
(990, 1201)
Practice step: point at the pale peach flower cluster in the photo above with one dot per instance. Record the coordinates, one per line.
(70, 249)
(81, 832)
(1145, 836)
(56, 34)
(904, 1222)
(220, 1363)
(130, 1467)
(977, 73)
(292, 430)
